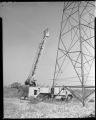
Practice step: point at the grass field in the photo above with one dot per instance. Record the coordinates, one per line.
(10, 92)
(16, 108)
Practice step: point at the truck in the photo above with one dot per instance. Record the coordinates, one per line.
(34, 91)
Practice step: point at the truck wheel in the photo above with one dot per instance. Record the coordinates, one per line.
(25, 97)
(63, 98)
(69, 97)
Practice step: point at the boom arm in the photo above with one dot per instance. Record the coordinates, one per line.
(30, 79)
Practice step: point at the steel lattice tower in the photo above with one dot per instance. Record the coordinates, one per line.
(76, 42)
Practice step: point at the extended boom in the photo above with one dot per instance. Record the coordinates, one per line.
(30, 80)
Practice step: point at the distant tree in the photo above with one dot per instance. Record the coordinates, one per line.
(22, 89)
(15, 85)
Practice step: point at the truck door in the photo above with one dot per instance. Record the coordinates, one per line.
(35, 92)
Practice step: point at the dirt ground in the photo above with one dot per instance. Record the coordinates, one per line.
(16, 108)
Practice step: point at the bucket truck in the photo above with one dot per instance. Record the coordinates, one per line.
(30, 80)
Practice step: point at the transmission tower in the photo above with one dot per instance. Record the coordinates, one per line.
(76, 44)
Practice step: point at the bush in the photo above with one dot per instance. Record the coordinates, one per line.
(14, 91)
(15, 85)
(23, 91)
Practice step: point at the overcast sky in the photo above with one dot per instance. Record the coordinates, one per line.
(23, 25)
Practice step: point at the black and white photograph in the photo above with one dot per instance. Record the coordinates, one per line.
(48, 59)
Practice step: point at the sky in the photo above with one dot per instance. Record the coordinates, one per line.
(23, 26)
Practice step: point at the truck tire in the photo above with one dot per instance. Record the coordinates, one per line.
(63, 98)
(69, 97)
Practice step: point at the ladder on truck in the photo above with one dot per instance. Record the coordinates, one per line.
(30, 80)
